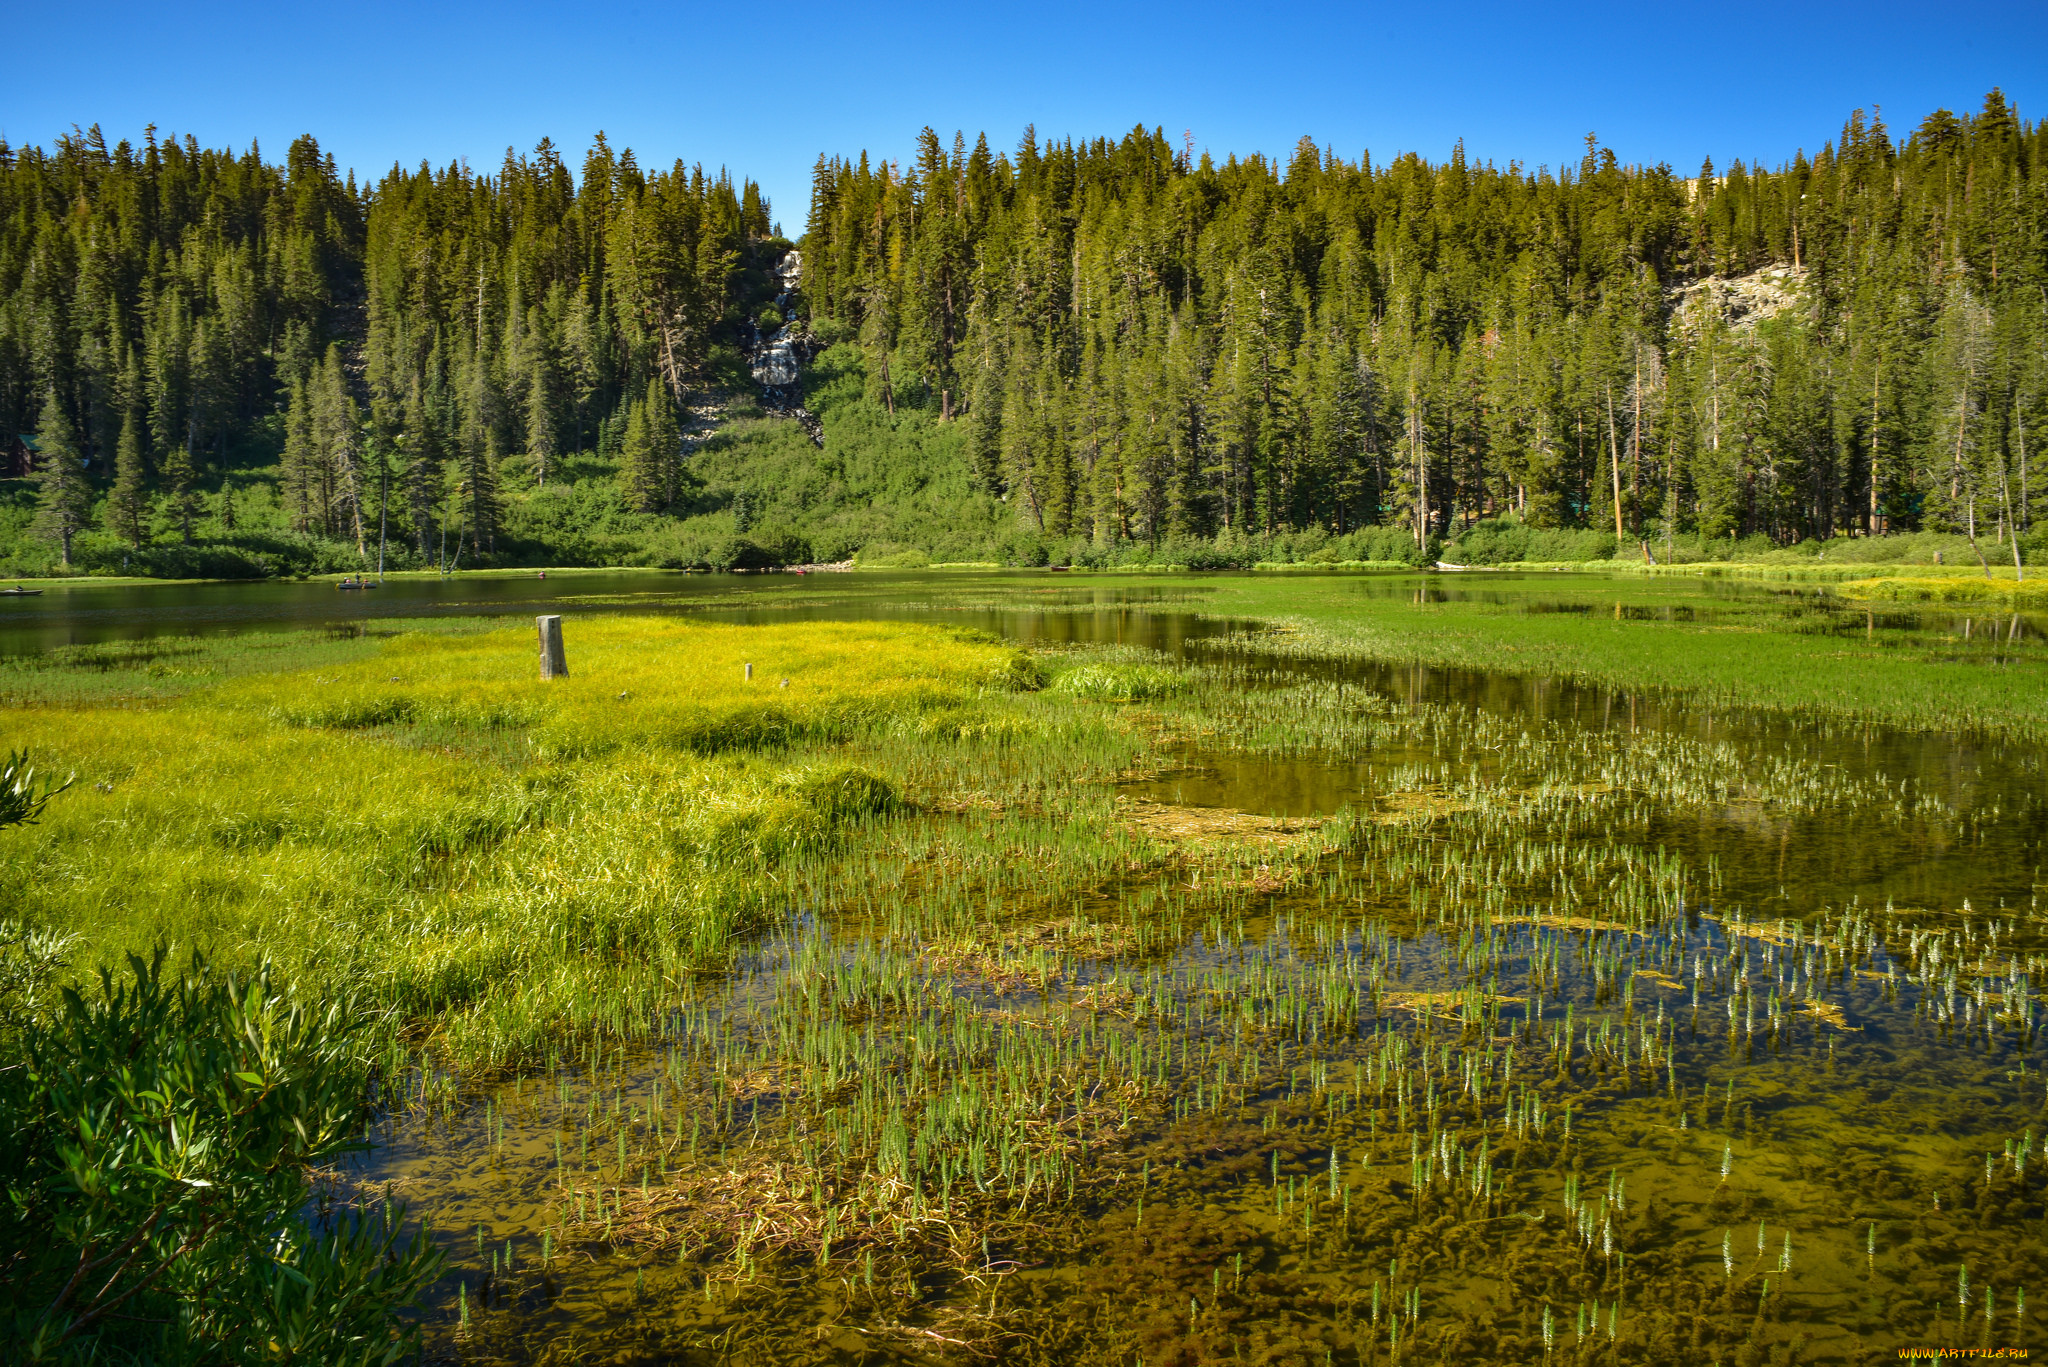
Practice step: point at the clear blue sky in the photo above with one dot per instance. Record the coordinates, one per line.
(764, 88)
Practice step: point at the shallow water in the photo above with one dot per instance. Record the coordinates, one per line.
(1280, 1156)
(1031, 606)
(1717, 1049)
(1018, 601)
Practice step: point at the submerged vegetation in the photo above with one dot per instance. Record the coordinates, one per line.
(879, 989)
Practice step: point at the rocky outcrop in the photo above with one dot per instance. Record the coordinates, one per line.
(808, 420)
(1741, 301)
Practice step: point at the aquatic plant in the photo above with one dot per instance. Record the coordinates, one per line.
(1106, 682)
(875, 1010)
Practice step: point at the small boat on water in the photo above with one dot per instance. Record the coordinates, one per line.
(356, 584)
(20, 593)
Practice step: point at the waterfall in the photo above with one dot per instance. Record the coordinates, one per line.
(778, 359)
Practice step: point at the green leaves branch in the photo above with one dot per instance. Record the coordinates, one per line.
(22, 795)
(157, 1137)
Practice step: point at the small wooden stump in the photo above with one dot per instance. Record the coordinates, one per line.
(554, 664)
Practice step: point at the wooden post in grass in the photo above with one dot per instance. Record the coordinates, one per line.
(553, 663)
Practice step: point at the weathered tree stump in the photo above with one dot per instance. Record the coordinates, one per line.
(554, 664)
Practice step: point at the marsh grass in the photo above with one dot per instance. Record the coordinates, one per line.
(158, 668)
(1814, 660)
(2016, 595)
(1393, 1071)
(420, 816)
(878, 1019)
(1422, 1072)
(1108, 682)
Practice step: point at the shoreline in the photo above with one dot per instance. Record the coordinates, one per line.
(2000, 580)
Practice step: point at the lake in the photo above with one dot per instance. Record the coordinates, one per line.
(1413, 1014)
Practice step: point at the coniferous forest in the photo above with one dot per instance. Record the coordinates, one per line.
(1093, 352)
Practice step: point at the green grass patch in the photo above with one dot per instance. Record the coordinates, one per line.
(1724, 645)
(489, 856)
(1114, 682)
(2020, 595)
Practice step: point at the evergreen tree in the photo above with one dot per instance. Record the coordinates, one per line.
(540, 425)
(336, 439)
(127, 510)
(63, 494)
(299, 474)
(423, 456)
(1143, 342)
(640, 480)
(665, 444)
(181, 491)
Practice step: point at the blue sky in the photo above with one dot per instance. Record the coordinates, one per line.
(763, 89)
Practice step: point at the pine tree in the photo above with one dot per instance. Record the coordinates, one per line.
(127, 510)
(423, 455)
(640, 478)
(650, 452)
(1142, 342)
(336, 434)
(181, 490)
(299, 474)
(63, 494)
(540, 424)
(476, 455)
(665, 443)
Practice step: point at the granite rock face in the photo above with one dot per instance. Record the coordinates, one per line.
(1740, 302)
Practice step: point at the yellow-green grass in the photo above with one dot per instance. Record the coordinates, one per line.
(1730, 648)
(1801, 571)
(486, 855)
(642, 681)
(1311, 566)
(1974, 590)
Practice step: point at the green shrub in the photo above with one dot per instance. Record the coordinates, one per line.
(888, 557)
(1507, 540)
(1021, 673)
(155, 1140)
(802, 812)
(831, 332)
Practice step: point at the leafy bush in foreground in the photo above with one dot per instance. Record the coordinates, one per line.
(155, 1140)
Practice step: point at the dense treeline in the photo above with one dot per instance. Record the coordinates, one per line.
(1111, 351)
(1146, 346)
(395, 351)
